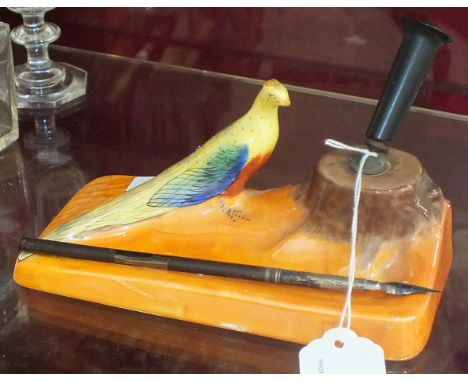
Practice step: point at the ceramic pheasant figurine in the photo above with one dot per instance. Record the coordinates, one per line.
(220, 167)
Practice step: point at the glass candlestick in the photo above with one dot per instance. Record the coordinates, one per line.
(41, 82)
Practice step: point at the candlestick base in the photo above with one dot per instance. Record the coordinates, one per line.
(34, 93)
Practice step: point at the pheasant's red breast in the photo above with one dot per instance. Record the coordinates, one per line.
(247, 172)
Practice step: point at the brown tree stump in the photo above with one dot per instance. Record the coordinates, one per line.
(392, 205)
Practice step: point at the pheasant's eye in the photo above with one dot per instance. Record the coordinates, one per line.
(272, 98)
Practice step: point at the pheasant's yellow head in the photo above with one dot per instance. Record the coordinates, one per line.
(276, 94)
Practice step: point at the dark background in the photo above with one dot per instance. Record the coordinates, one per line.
(344, 50)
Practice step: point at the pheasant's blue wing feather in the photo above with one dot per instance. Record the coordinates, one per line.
(198, 184)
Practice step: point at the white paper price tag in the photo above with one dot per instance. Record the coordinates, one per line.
(340, 350)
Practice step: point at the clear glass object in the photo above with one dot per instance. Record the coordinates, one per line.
(8, 112)
(46, 137)
(41, 82)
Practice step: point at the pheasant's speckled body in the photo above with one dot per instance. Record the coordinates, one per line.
(221, 166)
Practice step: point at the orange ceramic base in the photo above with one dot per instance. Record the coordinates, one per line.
(401, 325)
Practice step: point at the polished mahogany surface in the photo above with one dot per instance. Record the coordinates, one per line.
(346, 50)
(139, 118)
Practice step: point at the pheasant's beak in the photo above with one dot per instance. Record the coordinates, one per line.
(286, 102)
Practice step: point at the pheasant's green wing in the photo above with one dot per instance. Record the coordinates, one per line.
(198, 184)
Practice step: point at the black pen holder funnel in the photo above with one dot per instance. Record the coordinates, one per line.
(417, 51)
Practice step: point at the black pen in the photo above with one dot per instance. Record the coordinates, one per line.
(213, 268)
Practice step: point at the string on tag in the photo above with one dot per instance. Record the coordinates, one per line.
(354, 225)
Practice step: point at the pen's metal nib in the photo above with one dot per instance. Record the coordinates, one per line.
(403, 289)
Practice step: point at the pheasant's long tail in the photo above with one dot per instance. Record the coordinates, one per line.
(81, 228)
